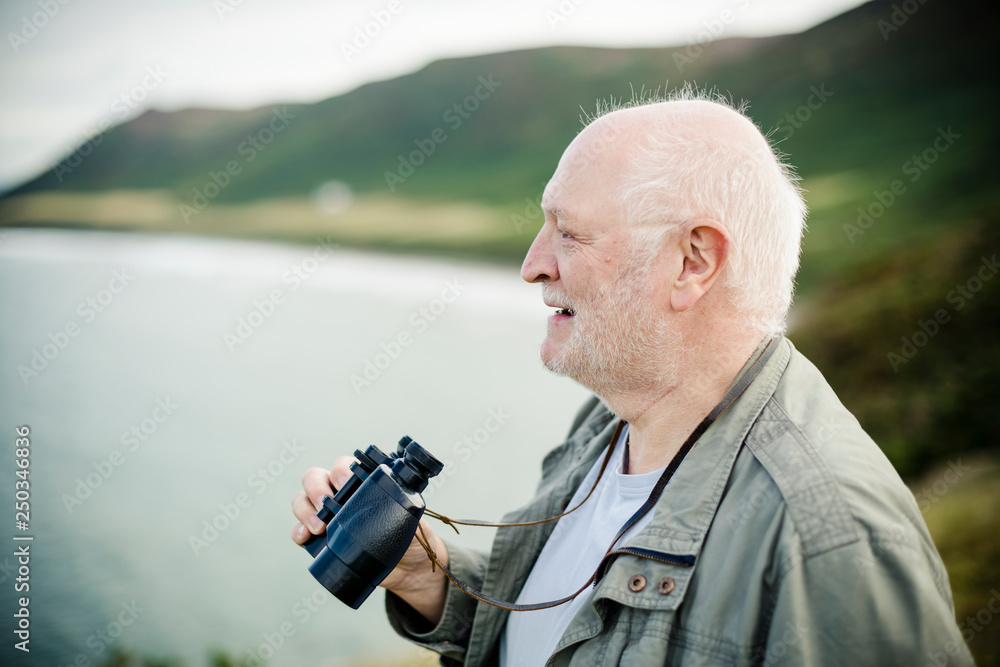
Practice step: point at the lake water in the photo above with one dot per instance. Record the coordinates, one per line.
(153, 411)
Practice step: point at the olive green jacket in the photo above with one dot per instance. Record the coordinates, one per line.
(805, 547)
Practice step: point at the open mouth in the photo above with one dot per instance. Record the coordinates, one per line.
(566, 311)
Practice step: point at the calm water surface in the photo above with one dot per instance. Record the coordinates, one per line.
(153, 411)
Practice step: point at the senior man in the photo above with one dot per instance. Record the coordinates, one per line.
(733, 511)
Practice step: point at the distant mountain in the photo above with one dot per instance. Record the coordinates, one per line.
(893, 79)
(855, 102)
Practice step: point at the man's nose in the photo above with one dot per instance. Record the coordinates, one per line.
(539, 264)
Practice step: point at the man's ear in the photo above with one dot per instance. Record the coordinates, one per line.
(705, 245)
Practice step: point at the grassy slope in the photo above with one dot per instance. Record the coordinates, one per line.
(936, 398)
(889, 98)
(962, 518)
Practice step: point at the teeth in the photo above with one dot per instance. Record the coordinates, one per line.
(566, 311)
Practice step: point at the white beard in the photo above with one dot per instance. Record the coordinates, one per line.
(619, 343)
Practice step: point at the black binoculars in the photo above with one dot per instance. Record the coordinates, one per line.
(371, 520)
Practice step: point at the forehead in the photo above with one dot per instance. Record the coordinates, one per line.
(589, 179)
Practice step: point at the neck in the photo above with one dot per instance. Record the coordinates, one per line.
(662, 417)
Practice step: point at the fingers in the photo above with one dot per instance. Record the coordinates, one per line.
(316, 483)
(305, 511)
(300, 533)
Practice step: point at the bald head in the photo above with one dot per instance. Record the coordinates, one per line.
(660, 164)
(639, 143)
(686, 119)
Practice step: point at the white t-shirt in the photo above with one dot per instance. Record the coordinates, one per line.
(571, 554)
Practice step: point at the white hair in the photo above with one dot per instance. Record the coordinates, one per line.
(681, 172)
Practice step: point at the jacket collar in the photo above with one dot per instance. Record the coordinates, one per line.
(689, 503)
(681, 518)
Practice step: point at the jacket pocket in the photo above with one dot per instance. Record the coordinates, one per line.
(645, 578)
(636, 601)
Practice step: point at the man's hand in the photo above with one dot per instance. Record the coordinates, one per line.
(412, 579)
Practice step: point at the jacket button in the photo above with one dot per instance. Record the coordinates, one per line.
(666, 586)
(636, 583)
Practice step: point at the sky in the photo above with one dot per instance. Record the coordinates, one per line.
(69, 66)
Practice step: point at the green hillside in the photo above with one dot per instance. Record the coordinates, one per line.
(850, 102)
(887, 115)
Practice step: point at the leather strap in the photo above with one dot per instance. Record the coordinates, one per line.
(735, 392)
(486, 524)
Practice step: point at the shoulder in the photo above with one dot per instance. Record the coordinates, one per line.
(827, 480)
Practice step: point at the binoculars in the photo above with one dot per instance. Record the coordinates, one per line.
(371, 520)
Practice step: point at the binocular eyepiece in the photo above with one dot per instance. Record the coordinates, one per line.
(371, 520)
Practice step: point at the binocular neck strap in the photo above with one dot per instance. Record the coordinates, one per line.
(735, 392)
(453, 523)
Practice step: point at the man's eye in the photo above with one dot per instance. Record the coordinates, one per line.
(565, 235)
